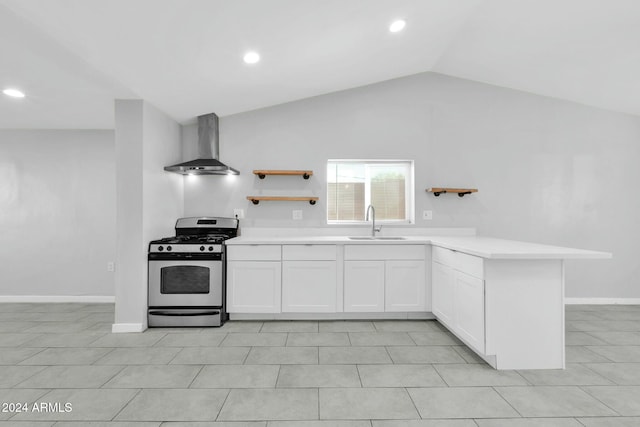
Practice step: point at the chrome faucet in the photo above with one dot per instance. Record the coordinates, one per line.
(373, 220)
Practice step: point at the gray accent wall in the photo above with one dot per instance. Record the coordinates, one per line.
(57, 212)
(548, 171)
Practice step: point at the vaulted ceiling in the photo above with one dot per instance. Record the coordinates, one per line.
(74, 57)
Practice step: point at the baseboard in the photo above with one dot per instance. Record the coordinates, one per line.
(333, 316)
(119, 328)
(58, 298)
(601, 301)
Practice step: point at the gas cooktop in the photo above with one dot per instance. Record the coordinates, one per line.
(197, 235)
(193, 239)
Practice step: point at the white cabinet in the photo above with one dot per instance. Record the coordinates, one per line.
(404, 286)
(494, 306)
(325, 278)
(309, 279)
(384, 252)
(309, 286)
(309, 252)
(468, 317)
(254, 274)
(364, 286)
(442, 287)
(458, 295)
(384, 278)
(254, 253)
(253, 286)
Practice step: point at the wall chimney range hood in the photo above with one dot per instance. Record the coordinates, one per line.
(207, 162)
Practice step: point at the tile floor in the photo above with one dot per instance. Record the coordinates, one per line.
(305, 374)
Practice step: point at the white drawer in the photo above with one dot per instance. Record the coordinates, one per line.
(254, 252)
(309, 252)
(443, 256)
(470, 264)
(384, 252)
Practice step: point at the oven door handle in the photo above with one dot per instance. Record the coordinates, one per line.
(183, 313)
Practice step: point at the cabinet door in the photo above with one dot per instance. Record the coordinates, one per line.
(253, 286)
(364, 286)
(469, 309)
(309, 286)
(442, 287)
(405, 286)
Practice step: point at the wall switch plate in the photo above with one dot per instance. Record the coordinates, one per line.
(427, 215)
(111, 266)
(297, 215)
(238, 213)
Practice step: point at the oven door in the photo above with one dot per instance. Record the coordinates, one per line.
(185, 283)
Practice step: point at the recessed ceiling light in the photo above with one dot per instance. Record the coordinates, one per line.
(397, 26)
(14, 93)
(251, 57)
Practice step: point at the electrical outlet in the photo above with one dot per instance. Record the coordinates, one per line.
(428, 215)
(111, 266)
(238, 213)
(297, 215)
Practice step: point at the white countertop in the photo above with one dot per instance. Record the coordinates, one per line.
(484, 247)
(488, 247)
(322, 240)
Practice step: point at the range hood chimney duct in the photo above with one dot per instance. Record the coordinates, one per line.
(207, 162)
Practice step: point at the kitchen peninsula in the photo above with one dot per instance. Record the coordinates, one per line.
(504, 299)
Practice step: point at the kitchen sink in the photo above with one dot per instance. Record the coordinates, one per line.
(377, 238)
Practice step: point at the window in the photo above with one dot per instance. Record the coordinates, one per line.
(352, 185)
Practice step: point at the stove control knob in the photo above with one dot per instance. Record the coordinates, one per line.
(160, 248)
(169, 248)
(210, 248)
(202, 248)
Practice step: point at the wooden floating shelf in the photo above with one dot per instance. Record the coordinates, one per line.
(461, 191)
(262, 173)
(256, 199)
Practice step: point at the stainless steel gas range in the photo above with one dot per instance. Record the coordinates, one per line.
(187, 273)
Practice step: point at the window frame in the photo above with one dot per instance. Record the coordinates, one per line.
(409, 192)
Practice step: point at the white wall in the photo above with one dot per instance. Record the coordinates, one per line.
(148, 201)
(548, 171)
(57, 212)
